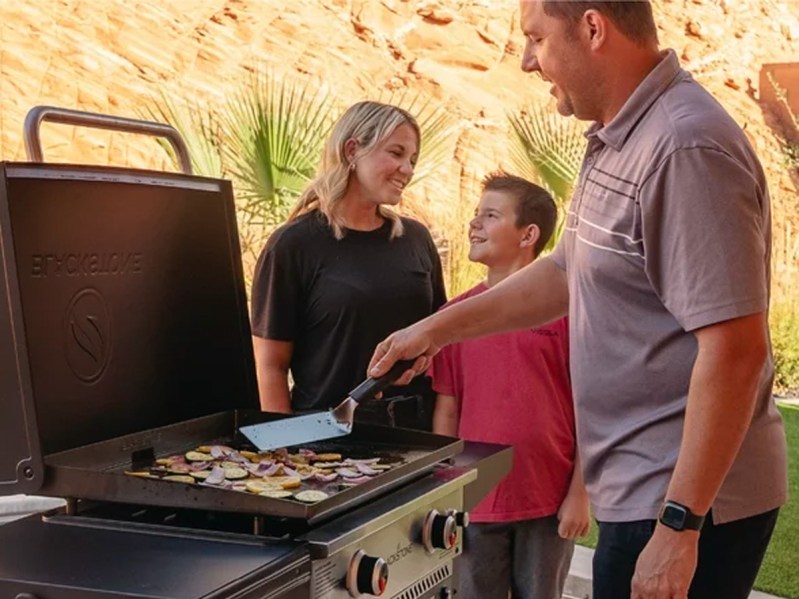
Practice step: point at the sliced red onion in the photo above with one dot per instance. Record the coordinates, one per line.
(325, 478)
(309, 453)
(367, 470)
(266, 468)
(351, 461)
(221, 451)
(197, 466)
(216, 477)
(291, 472)
(348, 473)
(272, 470)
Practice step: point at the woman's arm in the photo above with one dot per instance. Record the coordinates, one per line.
(272, 359)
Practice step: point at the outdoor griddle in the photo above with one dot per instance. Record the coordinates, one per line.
(124, 337)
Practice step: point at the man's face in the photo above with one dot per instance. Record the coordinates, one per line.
(494, 238)
(554, 49)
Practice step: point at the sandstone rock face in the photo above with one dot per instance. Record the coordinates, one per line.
(113, 56)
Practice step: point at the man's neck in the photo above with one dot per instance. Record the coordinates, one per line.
(621, 85)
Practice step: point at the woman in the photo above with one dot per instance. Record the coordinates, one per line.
(344, 272)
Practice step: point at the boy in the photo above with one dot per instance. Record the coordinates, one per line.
(513, 388)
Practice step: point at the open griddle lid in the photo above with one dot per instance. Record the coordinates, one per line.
(123, 308)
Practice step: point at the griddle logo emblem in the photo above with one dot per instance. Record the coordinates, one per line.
(400, 553)
(88, 335)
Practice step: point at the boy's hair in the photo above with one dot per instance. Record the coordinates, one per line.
(633, 17)
(534, 205)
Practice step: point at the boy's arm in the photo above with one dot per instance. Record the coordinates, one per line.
(574, 514)
(446, 416)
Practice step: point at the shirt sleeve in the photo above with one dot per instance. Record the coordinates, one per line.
(706, 230)
(277, 297)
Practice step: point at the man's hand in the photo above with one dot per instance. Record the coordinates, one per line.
(574, 515)
(666, 566)
(411, 342)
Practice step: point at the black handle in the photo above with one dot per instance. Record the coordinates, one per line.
(371, 387)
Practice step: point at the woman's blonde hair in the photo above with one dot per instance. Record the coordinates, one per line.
(368, 123)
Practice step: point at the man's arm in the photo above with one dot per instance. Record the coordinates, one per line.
(531, 297)
(721, 401)
(272, 359)
(446, 416)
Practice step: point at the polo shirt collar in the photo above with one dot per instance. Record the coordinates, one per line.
(616, 132)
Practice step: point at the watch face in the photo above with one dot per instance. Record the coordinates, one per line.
(673, 516)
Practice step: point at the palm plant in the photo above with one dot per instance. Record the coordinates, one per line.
(274, 134)
(200, 129)
(548, 149)
(267, 137)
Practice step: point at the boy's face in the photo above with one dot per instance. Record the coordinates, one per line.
(494, 238)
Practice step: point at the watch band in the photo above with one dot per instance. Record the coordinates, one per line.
(679, 517)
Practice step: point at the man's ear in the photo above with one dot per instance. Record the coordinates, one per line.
(531, 236)
(594, 26)
(350, 149)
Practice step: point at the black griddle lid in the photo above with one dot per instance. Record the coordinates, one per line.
(21, 469)
(123, 309)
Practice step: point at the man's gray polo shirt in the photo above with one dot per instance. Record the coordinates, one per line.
(668, 231)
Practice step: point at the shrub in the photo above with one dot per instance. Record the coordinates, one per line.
(784, 324)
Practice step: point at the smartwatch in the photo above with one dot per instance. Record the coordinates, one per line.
(678, 517)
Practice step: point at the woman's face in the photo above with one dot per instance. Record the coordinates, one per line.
(381, 175)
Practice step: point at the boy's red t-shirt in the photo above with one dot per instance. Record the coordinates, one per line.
(513, 388)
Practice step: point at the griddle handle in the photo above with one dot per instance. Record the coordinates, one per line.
(37, 115)
(371, 387)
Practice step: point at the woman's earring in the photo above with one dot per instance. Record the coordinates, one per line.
(352, 166)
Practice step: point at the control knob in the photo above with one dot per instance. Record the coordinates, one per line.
(461, 518)
(439, 531)
(367, 575)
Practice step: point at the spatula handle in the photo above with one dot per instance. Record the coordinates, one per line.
(371, 387)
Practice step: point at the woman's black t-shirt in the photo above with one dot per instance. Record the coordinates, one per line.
(335, 300)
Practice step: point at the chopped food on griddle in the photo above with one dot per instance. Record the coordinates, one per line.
(271, 474)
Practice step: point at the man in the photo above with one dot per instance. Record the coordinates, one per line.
(664, 271)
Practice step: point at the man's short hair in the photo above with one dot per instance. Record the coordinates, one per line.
(534, 204)
(632, 17)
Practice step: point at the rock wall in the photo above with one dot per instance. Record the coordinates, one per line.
(113, 56)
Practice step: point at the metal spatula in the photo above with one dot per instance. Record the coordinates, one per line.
(320, 425)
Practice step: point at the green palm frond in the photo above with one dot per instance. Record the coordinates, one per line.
(200, 128)
(274, 134)
(547, 148)
(437, 127)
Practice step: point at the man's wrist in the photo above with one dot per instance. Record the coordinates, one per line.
(679, 517)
